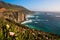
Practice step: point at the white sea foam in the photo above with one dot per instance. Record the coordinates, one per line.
(57, 16)
(37, 16)
(36, 22)
(28, 16)
(26, 21)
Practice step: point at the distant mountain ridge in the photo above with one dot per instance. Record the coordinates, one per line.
(11, 6)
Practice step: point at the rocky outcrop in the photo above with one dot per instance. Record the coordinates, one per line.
(16, 16)
(13, 12)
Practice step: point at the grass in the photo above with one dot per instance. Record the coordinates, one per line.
(22, 32)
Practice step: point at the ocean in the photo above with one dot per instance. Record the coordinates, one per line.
(48, 22)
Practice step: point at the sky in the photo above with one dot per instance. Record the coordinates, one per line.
(37, 5)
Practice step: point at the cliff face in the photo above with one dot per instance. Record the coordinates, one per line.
(14, 16)
(13, 12)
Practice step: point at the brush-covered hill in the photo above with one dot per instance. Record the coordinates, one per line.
(22, 32)
(13, 12)
(9, 6)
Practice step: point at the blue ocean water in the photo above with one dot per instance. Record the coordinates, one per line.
(45, 22)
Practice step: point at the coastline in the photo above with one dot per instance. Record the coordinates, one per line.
(40, 29)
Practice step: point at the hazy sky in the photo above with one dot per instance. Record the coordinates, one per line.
(38, 5)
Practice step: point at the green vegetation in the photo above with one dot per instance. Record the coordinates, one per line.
(10, 30)
(11, 7)
(22, 33)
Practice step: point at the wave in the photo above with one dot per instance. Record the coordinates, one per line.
(28, 21)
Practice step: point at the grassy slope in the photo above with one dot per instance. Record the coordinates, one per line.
(24, 33)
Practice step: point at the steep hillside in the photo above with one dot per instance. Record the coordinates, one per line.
(22, 32)
(13, 12)
(9, 6)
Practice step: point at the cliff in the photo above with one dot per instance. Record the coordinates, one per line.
(13, 12)
(10, 15)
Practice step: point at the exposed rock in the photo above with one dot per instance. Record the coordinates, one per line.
(13, 12)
